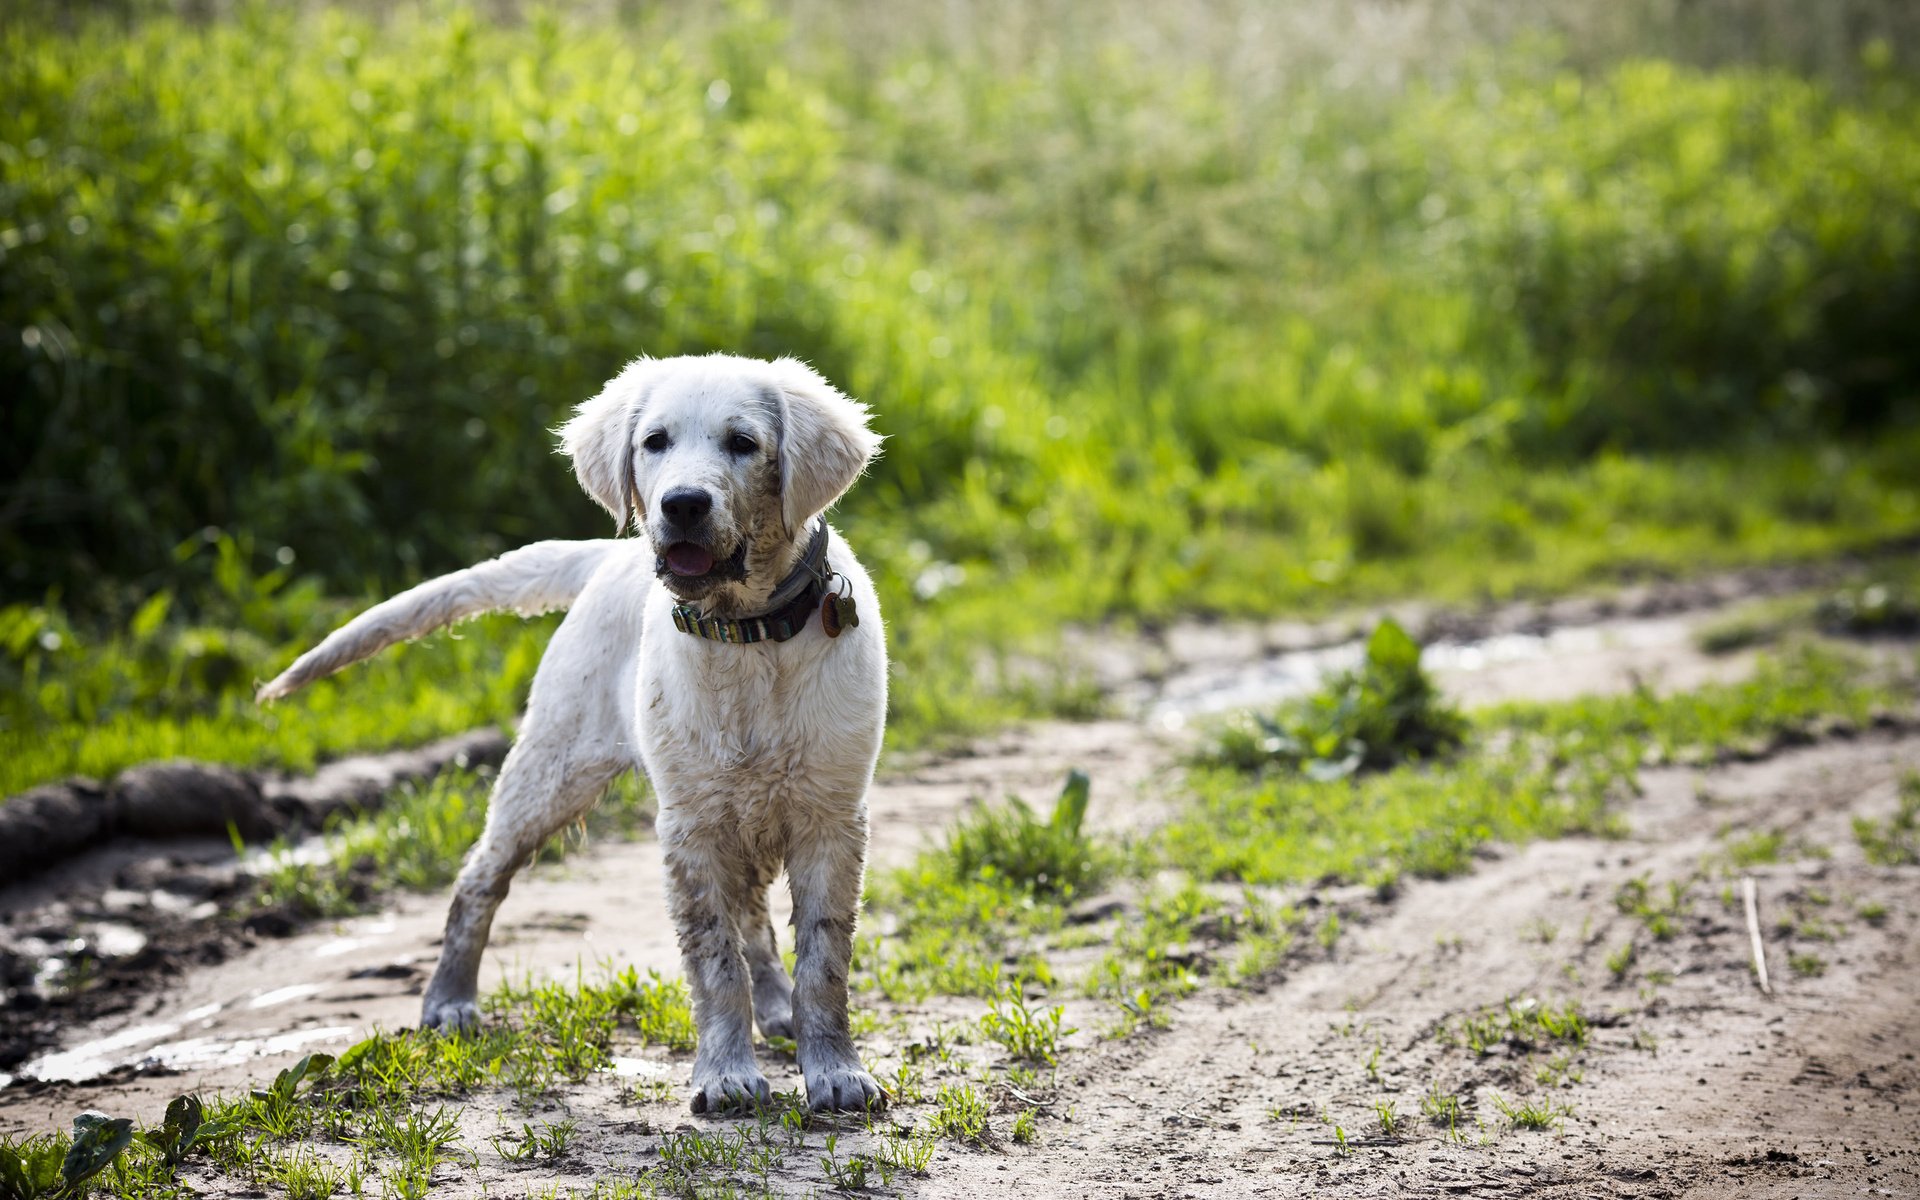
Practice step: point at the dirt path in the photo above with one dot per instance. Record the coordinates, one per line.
(1804, 1092)
(326, 986)
(1699, 1086)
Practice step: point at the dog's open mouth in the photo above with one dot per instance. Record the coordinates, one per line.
(688, 560)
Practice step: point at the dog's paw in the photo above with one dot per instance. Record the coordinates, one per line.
(844, 1089)
(452, 1016)
(741, 1089)
(775, 1024)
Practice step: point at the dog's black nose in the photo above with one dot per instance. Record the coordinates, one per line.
(685, 507)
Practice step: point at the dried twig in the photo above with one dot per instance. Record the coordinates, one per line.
(1753, 933)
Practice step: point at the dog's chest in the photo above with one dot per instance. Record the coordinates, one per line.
(752, 735)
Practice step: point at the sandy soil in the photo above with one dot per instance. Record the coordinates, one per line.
(1696, 1084)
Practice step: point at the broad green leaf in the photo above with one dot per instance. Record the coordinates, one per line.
(97, 1140)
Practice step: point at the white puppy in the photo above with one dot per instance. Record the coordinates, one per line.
(720, 653)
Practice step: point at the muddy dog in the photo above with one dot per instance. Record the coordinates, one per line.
(733, 651)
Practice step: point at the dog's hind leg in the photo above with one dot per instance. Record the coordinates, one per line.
(539, 793)
(772, 989)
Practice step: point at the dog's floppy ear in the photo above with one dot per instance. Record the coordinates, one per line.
(599, 440)
(824, 442)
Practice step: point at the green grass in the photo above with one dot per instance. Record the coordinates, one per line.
(1519, 1026)
(1382, 714)
(415, 841)
(1012, 845)
(383, 1116)
(288, 318)
(1896, 840)
(1200, 887)
(90, 703)
(1878, 600)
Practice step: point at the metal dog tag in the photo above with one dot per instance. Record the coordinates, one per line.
(837, 614)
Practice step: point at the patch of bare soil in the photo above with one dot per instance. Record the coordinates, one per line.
(1692, 1083)
(124, 886)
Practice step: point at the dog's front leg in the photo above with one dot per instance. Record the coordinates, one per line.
(825, 864)
(705, 886)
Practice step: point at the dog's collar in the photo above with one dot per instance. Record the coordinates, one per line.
(796, 600)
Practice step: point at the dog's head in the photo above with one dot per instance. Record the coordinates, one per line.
(721, 462)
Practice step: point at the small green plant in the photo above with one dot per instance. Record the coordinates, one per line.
(1442, 1108)
(1807, 965)
(1386, 712)
(905, 1150)
(1620, 961)
(960, 1114)
(184, 1127)
(1894, 842)
(1026, 1129)
(1028, 1034)
(1139, 1008)
(54, 1167)
(1521, 1024)
(304, 1175)
(1660, 911)
(1013, 845)
(1532, 1114)
(549, 1142)
(1390, 1122)
(851, 1175)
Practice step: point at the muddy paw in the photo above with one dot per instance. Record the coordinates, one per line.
(844, 1089)
(454, 1016)
(730, 1091)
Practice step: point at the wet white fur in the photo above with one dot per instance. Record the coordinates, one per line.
(760, 754)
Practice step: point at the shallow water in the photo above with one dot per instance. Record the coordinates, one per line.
(1201, 690)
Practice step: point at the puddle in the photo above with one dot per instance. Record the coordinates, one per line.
(282, 995)
(639, 1068)
(263, 860)
(222, 1052)
(143, 1044)
(1201, 690)
(96, 1058)
(111, 939)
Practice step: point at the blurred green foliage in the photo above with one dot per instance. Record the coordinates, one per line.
(295, 296)
(1385, 712)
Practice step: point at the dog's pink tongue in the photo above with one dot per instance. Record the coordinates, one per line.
(685, 558)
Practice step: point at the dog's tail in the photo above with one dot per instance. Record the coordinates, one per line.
(531, 580)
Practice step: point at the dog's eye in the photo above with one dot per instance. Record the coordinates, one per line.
(741, 444)
(655, 442)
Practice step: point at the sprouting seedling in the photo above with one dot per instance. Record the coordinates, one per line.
(97, 1140)
(287, 1082)
(1389, 1120)
(184, 1127)
(1070, 811)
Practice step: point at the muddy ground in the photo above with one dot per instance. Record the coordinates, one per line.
(1695, 1083)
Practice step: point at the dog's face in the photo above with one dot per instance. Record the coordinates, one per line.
(722, 463)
